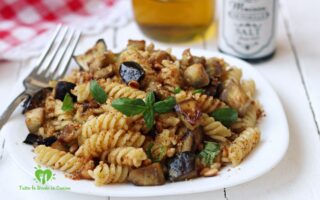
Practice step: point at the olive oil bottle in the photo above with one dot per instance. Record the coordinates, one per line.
(173, 20)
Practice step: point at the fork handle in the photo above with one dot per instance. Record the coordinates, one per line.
(14, 104)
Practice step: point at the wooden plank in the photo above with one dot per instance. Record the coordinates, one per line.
(297, 175)
(302, 19)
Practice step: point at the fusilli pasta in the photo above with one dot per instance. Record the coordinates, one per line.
(57, 159)
(128, 156)
(106, 174)
(106, 140)
(243, 145)
(214, 129)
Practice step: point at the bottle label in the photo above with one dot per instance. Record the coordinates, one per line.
(248, 26)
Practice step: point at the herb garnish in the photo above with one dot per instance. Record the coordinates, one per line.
(177, 90)
(198, 91)
(165, 105)
(225, 115)
(131, 107)
(67, 104)
(209, 152)
(97, 92)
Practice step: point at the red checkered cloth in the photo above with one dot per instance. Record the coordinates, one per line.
(23, 20)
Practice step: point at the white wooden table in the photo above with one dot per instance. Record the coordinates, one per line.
(293, 73)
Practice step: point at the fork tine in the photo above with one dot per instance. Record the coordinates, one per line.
(64, 49)
(70, 53)
(47, 49)
(52, 56)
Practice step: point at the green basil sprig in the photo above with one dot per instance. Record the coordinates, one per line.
(226, 116)
(67, 104)
(148, 108)
(209, 152)
(97, 92)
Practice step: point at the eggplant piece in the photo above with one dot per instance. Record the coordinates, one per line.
(191, 140)
(62, 88)
(182, 166)
(147, 176)
(97, 50)
(32, 139)
(131, 71)
(48, 141)
(37, 100)
(190, 112)
(35, 140)
(34, 119)
(186, 143)
(235, 97)
(196, 76)
(69, 134)
(137, 44)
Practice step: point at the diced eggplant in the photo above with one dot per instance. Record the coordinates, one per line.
(196, 76)
(137, 44)
(59, 145)
(214, 88)
(62, 88)
(97, 50)
(235, 97)
(189, 110)
(35, 140)
(182, 167)
(37, 100)
(103, 73)
(197, 139)
(49, 140)
(191, 140)
(34, 119)
(186, 142)
(69, 133)
(131, 71)
(147, 176)
(32, 139)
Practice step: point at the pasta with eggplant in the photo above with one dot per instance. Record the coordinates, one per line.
(145, 116)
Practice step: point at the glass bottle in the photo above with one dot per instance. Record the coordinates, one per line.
(247, 28)
(173, 20)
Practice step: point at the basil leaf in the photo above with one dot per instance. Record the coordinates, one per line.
(97, 92)
(225, 115)
(67, 104)
(129, 107)
(148, 117)
(177, 90)
(165, 106)
(209, 152)
(198, 91)
(150, 99)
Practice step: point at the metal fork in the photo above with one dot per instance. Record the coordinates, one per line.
(52, 64)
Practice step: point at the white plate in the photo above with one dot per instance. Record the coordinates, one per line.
(273, 145)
